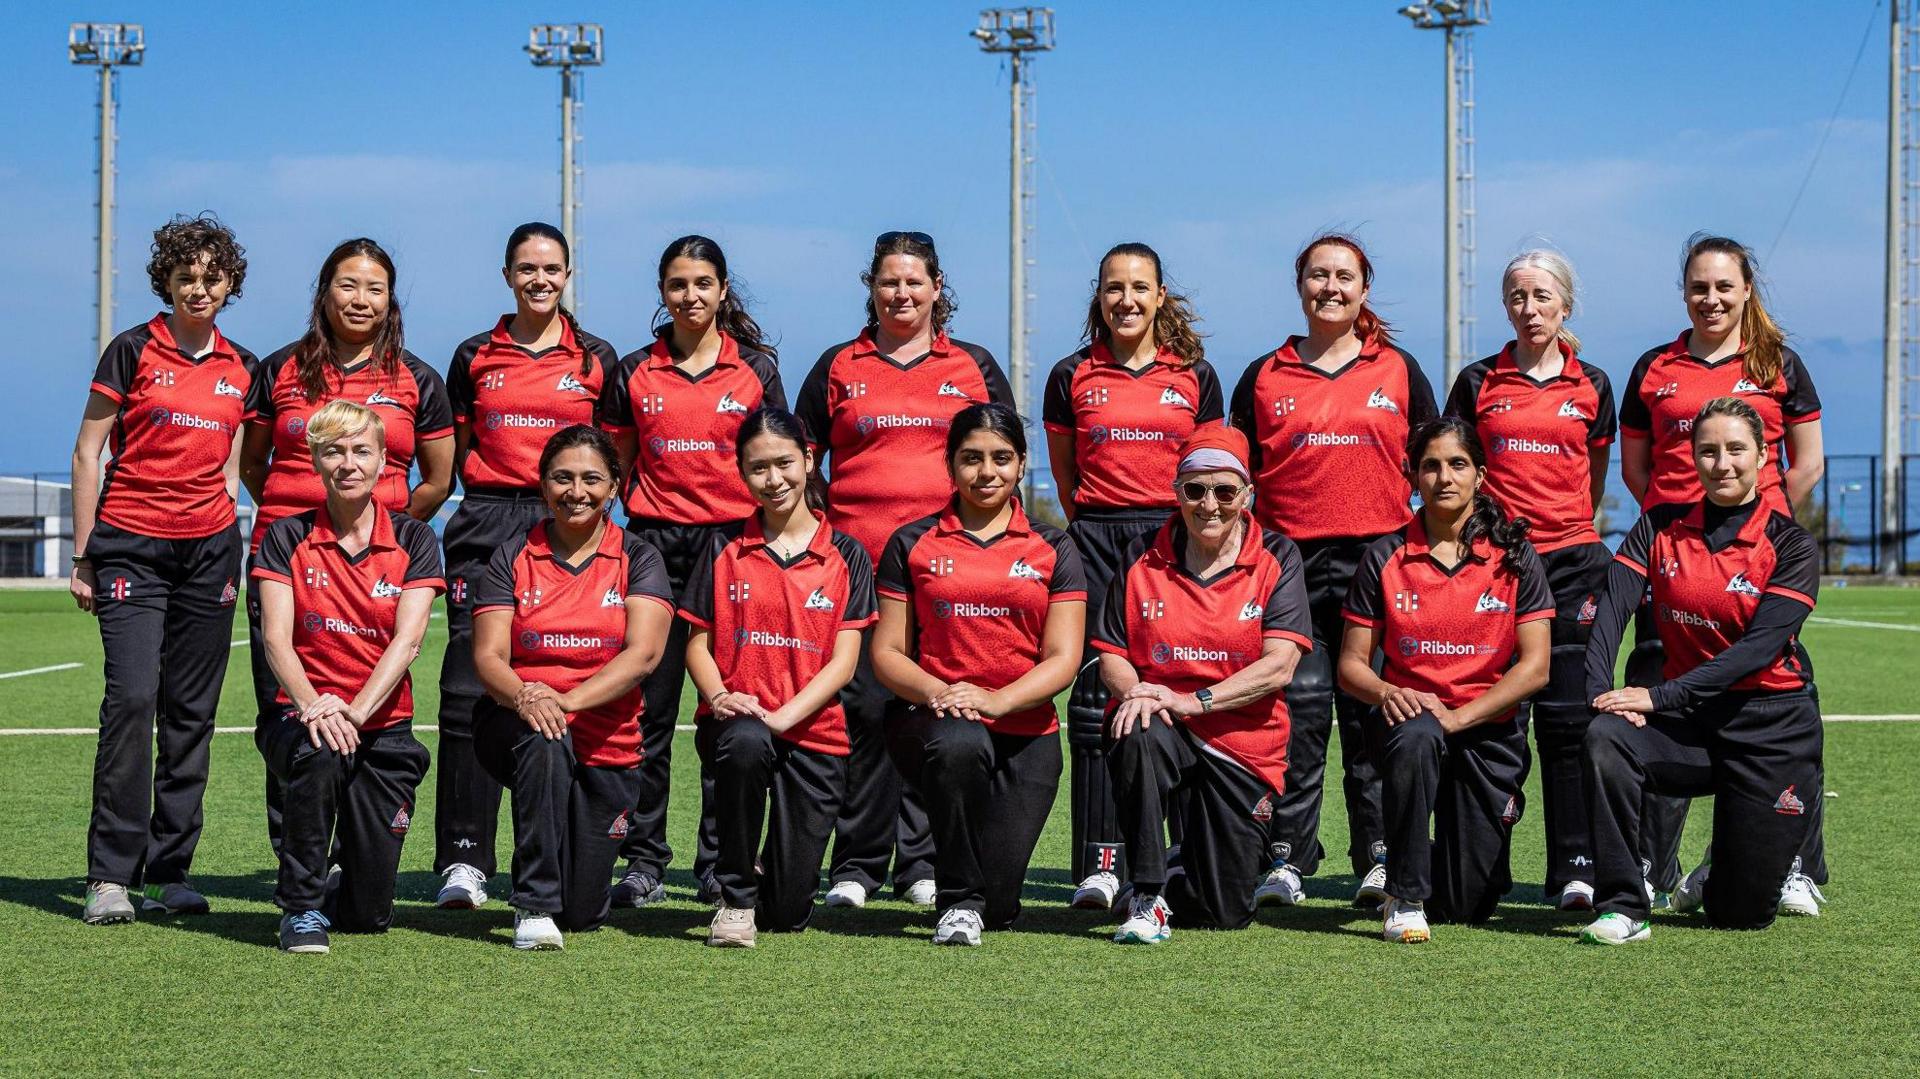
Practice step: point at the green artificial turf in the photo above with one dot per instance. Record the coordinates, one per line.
(1308, 990)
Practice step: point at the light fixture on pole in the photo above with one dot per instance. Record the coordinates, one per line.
(108, 46)
(1017, 32)
(1457, 18)
(568, 46)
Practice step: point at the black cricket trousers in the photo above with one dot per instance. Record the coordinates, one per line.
(1576, 575)
(883, 819)
(760, 778)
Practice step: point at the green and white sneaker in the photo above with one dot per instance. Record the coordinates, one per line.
(107, 904)
(176, 898)
(1615, 928)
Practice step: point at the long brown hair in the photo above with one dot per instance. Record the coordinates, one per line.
(1369, 326)
(731, 316)
(910, 243)
(1172, 324)
(1761, 339)
(313, 356)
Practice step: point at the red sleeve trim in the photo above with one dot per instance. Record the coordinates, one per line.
(1108, 647)
(1631, 564)
(661, 600)
(1068, 597)
(434, 435)
(261, 573)
(693, 619)
(1359, 619)
(1797, 597)
(1058, 428)
(1599, 442)
(1635, 432)
(1793, 421)
(1289, 635)
(888, 593)
(437, 584)
(861, 623)
(107, 391)
(492, 607)
(616, 428)
(1533, 616)
(258, 420)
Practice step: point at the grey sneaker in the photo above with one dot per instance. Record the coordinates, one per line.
(304, 933)
(732, 928)
(107, 904)
(176, 898)
(638, 888)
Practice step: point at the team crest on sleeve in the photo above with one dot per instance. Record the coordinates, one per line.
(402, 819)
(1741, 586)
(1171, 396)
(385, 589)
(1379, 399)
(223, 388)
(1488, 603)
(1025, 572)
(1263, 809)
(1789, 803)
(1250, 611)
(1570, 410)
(229, 595)
(948, 389)
(612, 598)
(819, 601)
(570, 384)
(728, 405)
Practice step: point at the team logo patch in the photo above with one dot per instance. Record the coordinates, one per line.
(223, 388)
(1106, 857)
(1151, 609)
(652, 404)
(1263, 809)
(1667, 390)
(1283, 406)
(943, 609)
(1488, 603)
(385, 589)
(940, 567)
(1406, 601)
(529, 640)
(1569, 410)
(948, 389)
(493, 380)
(1025, 572)
(1250, 611)
(1171, 396)
(317, 578)
(296, 425)
(864, 425)
(160, 417)
(457, 590)
(618, 830)
(1746, 386)
(1510, 816)
(613, 598)
(1739, 584)
(658, 445)
(1789, 803)
(570, 384)
(728, 404)
(378, 398)
(1379, 399)
(1162, 652)
(1094, 396)
(1097, 434)
(1505, 404)
(819, 601)
(161, 378)
(313, 621)
(1408, 646)
(531, 598)
(402, 819)
(738, 591)
(229, 595)
(1588, 611)
(120, 588)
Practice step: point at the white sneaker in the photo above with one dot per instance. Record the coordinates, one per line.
(1148, 921)
(1800, 895)
(1097, 892)
(847, 893)
(1281, 886)
(1373, 887)
(1577, 895)
(1405, 923)
(1615, 928)
(466, 889)
(1692, 892)
(535, 932)
(958, 926)
(922, 893)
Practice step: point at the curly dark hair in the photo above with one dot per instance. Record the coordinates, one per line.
(183, 240)
(920, 247)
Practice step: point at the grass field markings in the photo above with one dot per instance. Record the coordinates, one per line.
(42, 670)
(425, 727)
(1853, 624)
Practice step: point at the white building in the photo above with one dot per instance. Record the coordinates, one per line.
(36, 527)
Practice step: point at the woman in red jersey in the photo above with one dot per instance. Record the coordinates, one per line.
(1732, 349)
(568, 619)
(982, 619)
(1734, 712)
(511, 388)
(1199, 631)
(777, 609)
(156, 557)
(1548, 420)
(1328, 414)
(674, 410)
(354, 350)
(879, 406)
(1458, 604)
(345, 591)
(1116, 413)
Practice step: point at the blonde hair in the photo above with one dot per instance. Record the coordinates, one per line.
(337, 420)
(1556, 266)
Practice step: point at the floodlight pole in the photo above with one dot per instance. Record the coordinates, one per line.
(570, 295)
(1893, 389)
(568, 46)
(107, 46)
(1456, 18)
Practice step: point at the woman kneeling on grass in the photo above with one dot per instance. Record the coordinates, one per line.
(1458, 603)
(567, 621)
(777, 608)
(345, 591)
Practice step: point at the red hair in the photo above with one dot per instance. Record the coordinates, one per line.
(1369, 326)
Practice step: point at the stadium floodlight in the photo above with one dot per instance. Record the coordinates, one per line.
(1017, 32)
(1456, 18)
(108, 46)
(568, 46)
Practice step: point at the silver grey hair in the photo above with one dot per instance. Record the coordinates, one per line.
(1556, 266)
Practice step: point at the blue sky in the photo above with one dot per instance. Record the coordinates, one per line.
(1223, 135)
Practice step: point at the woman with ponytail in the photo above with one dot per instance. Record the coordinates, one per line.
(1328, 415)
(675, 411)
(1458, 604)
(1116, 413)
(1548, 420)
(535, 373)
(1732, 349)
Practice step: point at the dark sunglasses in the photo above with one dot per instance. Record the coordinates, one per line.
(886, 238)
(1196, 492)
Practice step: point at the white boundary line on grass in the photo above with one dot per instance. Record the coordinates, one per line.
(1825, 621)
(41, 670)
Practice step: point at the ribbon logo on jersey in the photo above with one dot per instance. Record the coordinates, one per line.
(313, 621)
(497, 420)
(1328, 438)
(529, 640)
(766, 639)
(296, 425)
(944, 610)
(1516, 444)
(1415, 646)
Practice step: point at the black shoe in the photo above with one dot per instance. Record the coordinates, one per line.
(637, 889)
(304, 933)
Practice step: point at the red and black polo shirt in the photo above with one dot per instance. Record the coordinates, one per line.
(570, 621)
(345, 606)
(1330, 449)
(1706, 588)
(773, 621)
(1446, 631)
(980, 606)
(512, 399)
(1539, 434)
(1668, 388)
(174, 434)
(883, 428)
(412, 403)
(685, 427)
(1188, 633)
(1127, 425)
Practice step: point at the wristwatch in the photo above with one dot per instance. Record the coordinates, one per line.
(1205, 697)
